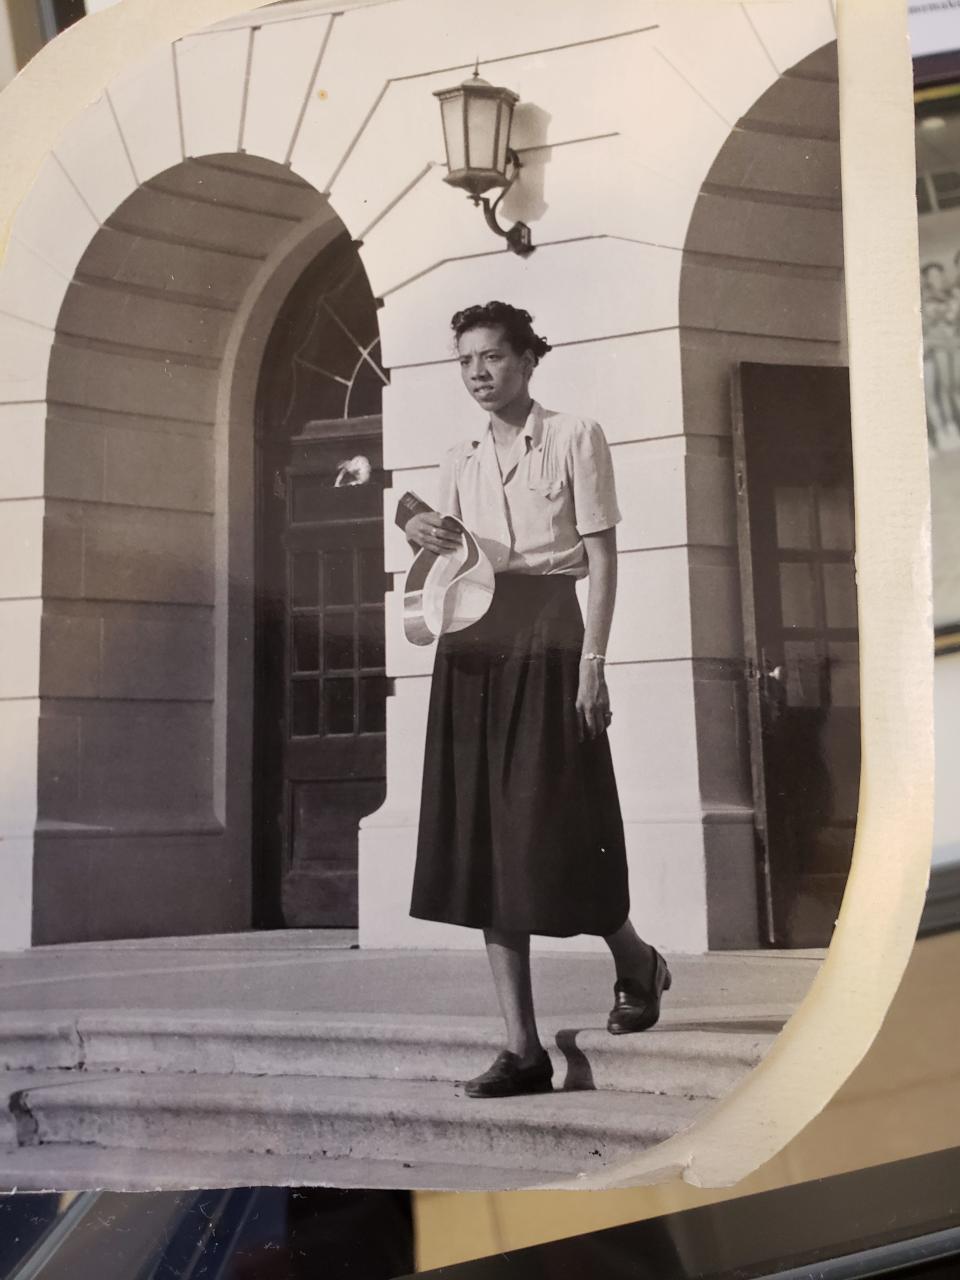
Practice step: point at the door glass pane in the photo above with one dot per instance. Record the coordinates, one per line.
(338, 642)
(840, 595)
(366, 390)
(305, 708)
(802, 673)
(338, 706)
(306, 642)
(373, 583)
(304, 581)
(373, 704)
(798, 594)
(337, 578)
(794, 517)
(372, 644)
(843, 659)
(836, 519)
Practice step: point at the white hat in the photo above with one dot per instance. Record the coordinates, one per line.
(447, 592)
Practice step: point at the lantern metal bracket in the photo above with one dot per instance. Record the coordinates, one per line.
(518, 237)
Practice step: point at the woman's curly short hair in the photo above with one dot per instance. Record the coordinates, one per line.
(517, 326)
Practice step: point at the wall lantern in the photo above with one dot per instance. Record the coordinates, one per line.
(476, 130)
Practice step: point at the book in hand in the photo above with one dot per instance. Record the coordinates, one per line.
(411, 505)
(408, 507)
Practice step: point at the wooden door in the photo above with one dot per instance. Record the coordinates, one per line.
(319, 741)
(323, 675)
(794, 477)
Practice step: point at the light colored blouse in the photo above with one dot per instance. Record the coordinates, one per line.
(556, 486)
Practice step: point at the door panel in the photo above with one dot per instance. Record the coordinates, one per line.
(320, 749)
(332, 688)
(320, 881)
(796, 540)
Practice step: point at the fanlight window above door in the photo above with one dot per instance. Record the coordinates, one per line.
(323, 359)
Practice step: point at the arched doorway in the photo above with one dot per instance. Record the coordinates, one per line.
(773, 594)
(320, 737)
(145, 736)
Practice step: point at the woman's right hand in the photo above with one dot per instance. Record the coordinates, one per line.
(427, 530)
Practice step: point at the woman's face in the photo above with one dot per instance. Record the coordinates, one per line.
(492, 371)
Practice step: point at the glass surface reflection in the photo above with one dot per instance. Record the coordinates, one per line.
(261, 1233)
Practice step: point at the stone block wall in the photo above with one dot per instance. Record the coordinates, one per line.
(138, 830)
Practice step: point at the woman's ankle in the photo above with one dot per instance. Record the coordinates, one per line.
(527, 1048)
(639, 965)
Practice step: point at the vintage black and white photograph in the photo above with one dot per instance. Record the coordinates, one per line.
(430, 724)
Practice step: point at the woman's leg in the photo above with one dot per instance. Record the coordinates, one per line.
(509, 956)
(634, 958)
(642, 978)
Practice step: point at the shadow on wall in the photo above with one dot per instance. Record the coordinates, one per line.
(526, 202)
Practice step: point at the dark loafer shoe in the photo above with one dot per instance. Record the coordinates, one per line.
(637, 1008)
(506, 1077)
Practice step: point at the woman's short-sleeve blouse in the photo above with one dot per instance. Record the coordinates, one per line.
(556, 487)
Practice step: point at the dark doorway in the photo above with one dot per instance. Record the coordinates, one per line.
(320, 741)
(794, 475)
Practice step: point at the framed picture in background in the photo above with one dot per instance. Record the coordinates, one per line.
(938, 204)
(935, 37)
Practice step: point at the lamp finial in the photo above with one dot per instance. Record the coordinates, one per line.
(476, 68)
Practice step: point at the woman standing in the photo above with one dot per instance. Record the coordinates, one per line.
(520, 826)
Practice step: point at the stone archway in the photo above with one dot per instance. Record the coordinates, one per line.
(762, 280)
(144, 740)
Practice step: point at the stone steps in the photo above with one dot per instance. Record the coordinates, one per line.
(85, 1168)
(548, 1136)
(678, 1057)
(334, 1067)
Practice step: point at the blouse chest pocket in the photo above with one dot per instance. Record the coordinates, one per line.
(545, 512)
(551, 489)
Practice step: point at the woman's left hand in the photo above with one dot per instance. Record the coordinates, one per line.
(593, 701)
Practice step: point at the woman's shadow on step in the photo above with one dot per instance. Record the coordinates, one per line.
(580, 1073)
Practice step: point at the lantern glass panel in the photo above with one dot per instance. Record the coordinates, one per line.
(481, 132)
(503, 137)
(453, 131)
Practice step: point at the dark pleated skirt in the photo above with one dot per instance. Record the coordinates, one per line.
(520, 825)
